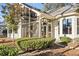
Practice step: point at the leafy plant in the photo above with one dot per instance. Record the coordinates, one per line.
(2, 36)
(8, 51)
(65, 39)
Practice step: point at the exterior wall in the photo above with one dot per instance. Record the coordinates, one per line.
(16, 35)
(56, 30)
(76, 35)
(21, 32)
(2, 27)
(1, 32)
(52, 30)
(11, 35)
(74, 28)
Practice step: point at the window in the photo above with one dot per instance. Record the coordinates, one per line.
(16, 30)
(31, 27)
(77, 25)
(10, 30)
(58, 27)
(67, 26)
(49, 27)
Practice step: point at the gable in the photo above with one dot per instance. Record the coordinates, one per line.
(37, 11)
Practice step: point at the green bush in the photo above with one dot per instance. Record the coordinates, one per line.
(26, 38)
(65, 39)
(35, 44)
(8, 51)
(2, 36)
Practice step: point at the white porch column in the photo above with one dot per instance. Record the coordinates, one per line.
(29, 24)
(20, 29)
(40, 27)
(74, 27)
(61, 26)
(52, 30)
(47, 30)
(8, 34)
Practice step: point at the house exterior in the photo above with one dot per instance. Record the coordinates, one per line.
(3, 30)
(63, 21)
(30, 24)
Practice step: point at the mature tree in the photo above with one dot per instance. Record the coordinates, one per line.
(12, 13)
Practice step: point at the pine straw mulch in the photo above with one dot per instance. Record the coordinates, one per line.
(71, 50)
(8, 42)
(54, 52)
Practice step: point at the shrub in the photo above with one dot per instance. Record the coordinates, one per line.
(35, 44)
(26, 38)
(77, 39)
(2, 36)
(8, 51)
(65, 40)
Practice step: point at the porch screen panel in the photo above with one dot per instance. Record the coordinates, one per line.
(77, 25)
(58, 27)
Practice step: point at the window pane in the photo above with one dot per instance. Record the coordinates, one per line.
(67, 27)
(49, 27)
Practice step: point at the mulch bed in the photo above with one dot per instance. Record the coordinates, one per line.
(56, 51)
(8, 42)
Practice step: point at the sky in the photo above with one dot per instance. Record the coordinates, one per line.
(36, 5)
(1, 18)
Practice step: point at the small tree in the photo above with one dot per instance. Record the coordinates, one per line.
(11, 15)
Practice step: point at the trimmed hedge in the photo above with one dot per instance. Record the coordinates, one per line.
(26, 38)
(8, 51)
(35, 44)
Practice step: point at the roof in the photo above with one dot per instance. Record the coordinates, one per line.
(31, 7)
(64, 10)
(43, 14)
(56, 14)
